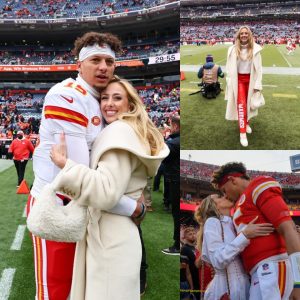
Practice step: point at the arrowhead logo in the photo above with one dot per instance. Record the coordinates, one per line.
(96, 120)
(70, 100)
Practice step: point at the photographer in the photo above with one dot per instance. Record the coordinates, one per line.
(209, 73)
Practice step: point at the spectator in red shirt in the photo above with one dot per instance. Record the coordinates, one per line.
(21, 149)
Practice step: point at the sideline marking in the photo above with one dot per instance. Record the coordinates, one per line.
(285, 58)
(285, 96)
(188, 90)
(270, 85)
(17, 243)
(6, 283)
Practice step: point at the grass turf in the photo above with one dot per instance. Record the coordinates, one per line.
(203, 124)
(163, 271)
(272, 56)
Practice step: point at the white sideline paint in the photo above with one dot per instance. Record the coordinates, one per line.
(24, 212)
(285, 58)
(270, 85)
(17, 243)
(6, 283)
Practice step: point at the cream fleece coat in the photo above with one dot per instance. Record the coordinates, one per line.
(107, 260)
(232, 82)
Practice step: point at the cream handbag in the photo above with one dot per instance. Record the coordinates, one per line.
(50, 221)
(257, 100)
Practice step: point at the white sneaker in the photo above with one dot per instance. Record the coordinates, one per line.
(243, 139)
(248, 129)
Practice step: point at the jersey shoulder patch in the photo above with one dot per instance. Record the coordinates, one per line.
(261, 184)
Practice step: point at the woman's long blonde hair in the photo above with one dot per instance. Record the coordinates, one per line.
(138, 118)
(250, 42)
(205, 210)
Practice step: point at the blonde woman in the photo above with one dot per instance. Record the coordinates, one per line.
(130, 148)
(220, 247)
(244, 78)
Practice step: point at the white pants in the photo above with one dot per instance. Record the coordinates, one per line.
(272, 280)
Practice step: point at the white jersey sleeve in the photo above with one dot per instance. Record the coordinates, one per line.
(66, 109)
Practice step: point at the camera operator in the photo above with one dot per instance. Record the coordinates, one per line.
(209, 73)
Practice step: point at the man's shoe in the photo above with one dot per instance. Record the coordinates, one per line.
(150, 209)
(243, 139)
(248, 129)
(143, 286)
(171, 251)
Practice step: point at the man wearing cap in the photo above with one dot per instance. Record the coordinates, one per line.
(273, 261)
(20, 149)
(209, 73)
(72, 106)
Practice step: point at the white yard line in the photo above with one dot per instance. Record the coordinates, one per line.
(285, 59)
(17, 243)
(6, 283)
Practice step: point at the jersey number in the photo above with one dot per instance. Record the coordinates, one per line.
(77, 87)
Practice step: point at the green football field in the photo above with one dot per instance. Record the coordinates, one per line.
(272, 56)
(16, 266)
(277, 126)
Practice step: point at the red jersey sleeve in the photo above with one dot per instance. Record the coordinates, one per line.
(272, 205)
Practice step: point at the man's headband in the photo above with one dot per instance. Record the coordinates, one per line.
(225, 178)
(96, 49)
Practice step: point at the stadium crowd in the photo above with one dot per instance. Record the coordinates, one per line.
(45, 9)
(42, 54)
(204, 171)
(161, 103)
(237, 9)
(275, 32)
(21, 110)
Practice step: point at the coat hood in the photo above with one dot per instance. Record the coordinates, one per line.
(120, 135)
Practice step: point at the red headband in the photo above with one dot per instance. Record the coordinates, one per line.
(224, 179)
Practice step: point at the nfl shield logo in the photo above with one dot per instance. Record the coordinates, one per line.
(265, 267)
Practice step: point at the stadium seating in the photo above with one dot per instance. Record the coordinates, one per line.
(269, 32)
(204, 171)
(46, 9)
(43, 54)
(22, 110)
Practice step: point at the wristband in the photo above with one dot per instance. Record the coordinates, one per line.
(142, 212)
(295, 264)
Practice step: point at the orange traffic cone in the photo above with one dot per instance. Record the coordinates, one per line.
(23, 188)
(182, 76)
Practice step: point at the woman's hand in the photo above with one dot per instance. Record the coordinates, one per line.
(58, 153)
(254, 230)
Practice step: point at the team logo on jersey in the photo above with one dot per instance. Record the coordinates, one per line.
(96, 120)
(242, 200)
(265, 267)
(69, 99)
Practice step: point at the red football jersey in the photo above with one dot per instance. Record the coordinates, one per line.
(262, 198)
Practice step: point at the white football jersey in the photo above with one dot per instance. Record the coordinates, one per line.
(72, 107)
